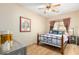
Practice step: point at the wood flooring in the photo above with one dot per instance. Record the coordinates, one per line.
(34, 49)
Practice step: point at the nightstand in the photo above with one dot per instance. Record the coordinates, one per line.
(78, 40)
(72, 39)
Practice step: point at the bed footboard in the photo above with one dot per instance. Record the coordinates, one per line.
(62, 43)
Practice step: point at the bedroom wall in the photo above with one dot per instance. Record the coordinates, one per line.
(9, 21)
(74, 20)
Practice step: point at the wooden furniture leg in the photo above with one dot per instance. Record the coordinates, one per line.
(62, 46)
(37, 39)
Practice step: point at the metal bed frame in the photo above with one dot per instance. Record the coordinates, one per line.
(62, 47)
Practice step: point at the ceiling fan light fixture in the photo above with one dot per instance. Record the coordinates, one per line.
(50, 8)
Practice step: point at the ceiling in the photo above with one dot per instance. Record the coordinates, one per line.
(64, 8)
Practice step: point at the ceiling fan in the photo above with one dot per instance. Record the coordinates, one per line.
(50, 7)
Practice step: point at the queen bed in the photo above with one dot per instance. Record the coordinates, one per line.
(55, 38)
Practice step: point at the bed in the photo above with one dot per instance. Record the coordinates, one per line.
(55, 39)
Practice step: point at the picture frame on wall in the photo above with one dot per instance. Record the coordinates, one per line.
(25, 24)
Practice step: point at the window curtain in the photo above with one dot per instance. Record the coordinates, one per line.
(67, 23)
(52, 24)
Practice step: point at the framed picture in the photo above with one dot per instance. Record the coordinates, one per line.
(25, 24)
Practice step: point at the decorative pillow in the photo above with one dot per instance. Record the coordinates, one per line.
(54, 32)
(50, 31)
(60, 32)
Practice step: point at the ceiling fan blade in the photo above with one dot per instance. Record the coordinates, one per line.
(54, 10)
(41, 8)
(55, 5)
(48, 4)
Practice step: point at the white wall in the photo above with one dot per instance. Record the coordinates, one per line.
(9, 21)
(74, 20)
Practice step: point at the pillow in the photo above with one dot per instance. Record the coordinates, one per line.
(54, 32)
(50, 31)
(60, 32)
